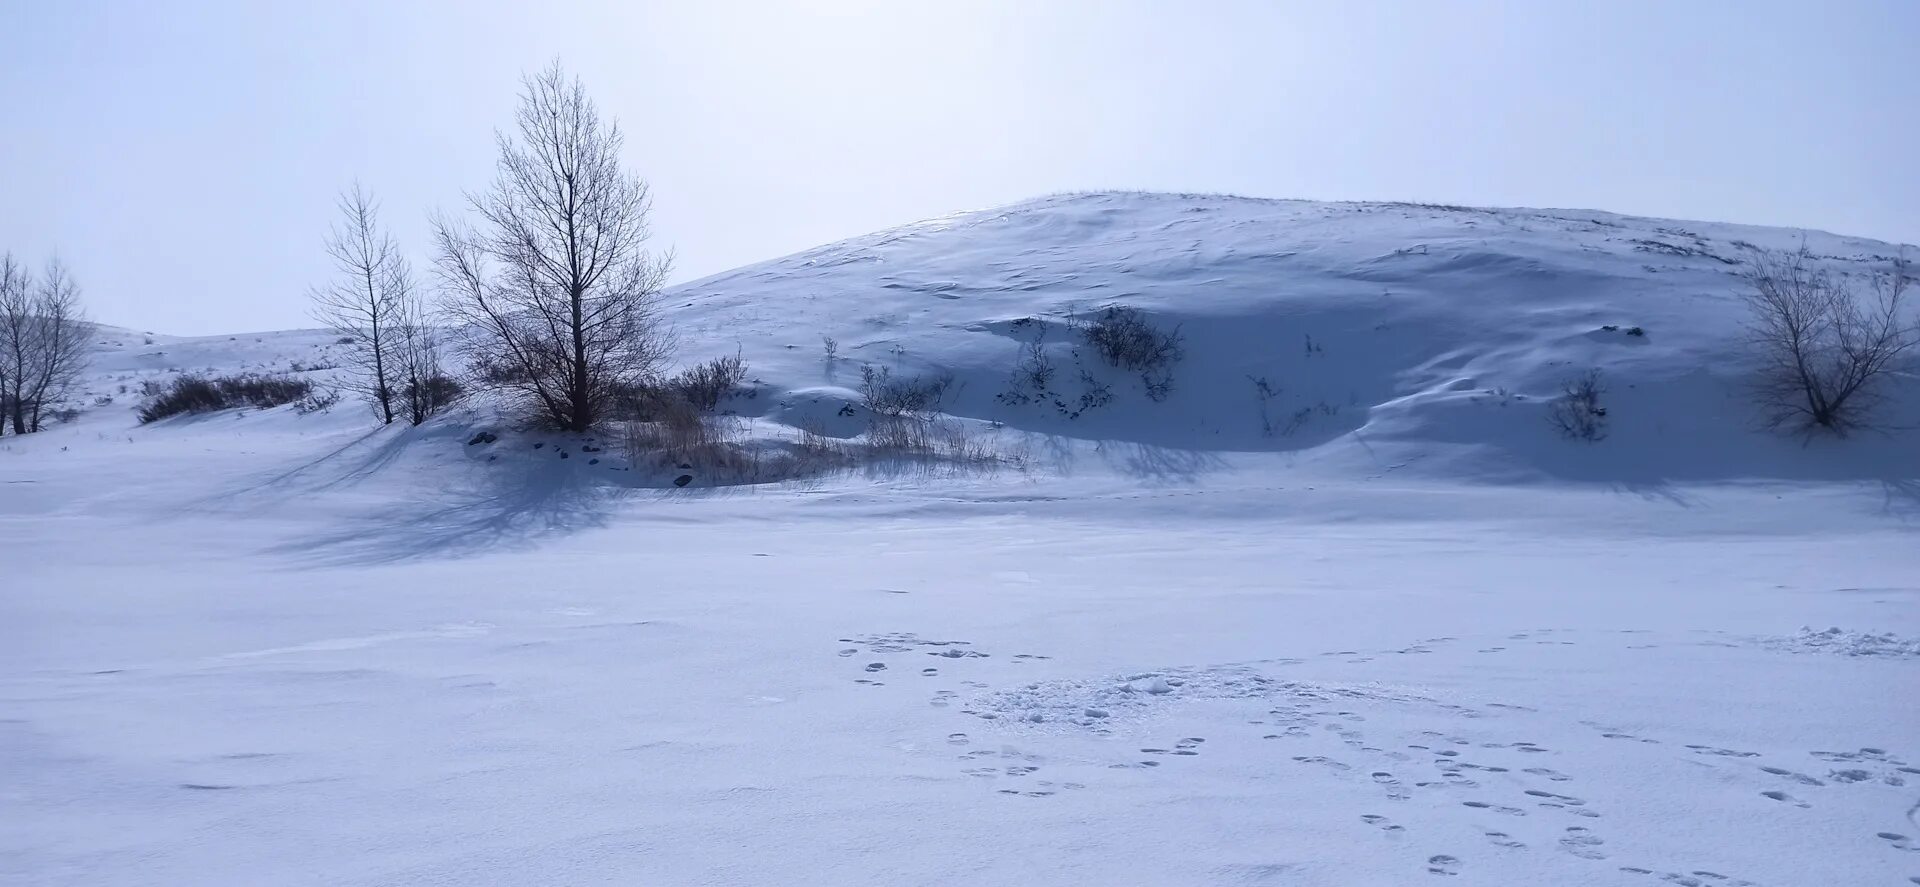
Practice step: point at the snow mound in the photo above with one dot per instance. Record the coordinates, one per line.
(1838, 641)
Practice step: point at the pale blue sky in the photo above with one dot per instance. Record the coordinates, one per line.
(183, 157)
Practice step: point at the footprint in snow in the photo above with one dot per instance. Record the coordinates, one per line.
(1554, 775)
(1319, 759)
(1382, 823)
(1899, 841)
(1785, 798)
(1443, 864)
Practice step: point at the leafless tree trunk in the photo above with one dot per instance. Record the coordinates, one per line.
(1824, 351)
(44, 340)
(364, 303)
(555, 283)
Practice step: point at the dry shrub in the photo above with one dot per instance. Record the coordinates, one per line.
(705, 385)
(198, 394)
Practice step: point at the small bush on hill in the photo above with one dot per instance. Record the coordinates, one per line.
(1124, 338)
(705, 385)
(429, 395)
(1578, 414)
(319, 400)
(901, 410)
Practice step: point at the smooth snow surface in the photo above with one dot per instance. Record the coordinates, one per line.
(1412, 637)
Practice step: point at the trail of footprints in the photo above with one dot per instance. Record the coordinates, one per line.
(1452, 772)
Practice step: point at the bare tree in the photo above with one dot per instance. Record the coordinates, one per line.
(424, 387)
(44, 341)
(1825, 352)
(555, 285)
(365, 302)
(16, 293)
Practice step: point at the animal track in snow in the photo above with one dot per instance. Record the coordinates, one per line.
(1322, 760)
(1899, 841)
(1607, 732)
(1550, 799)
(1700, 878)
(1722, 752)
(1582, 842)
(1443, 864)
(1554, 775)
(1785, 798)
(1494, 808)
(1185, 747)
(1502, 839)
(1508, 707)
(1801, 778)
(1631, 737)
(898, 642)
(1382, 823)
(1865, 754)
(1395, 791)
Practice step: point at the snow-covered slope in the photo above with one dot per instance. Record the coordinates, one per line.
(1412, 635)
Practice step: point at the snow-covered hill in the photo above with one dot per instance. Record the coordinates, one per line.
(1443, 331)
(1381, 625)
